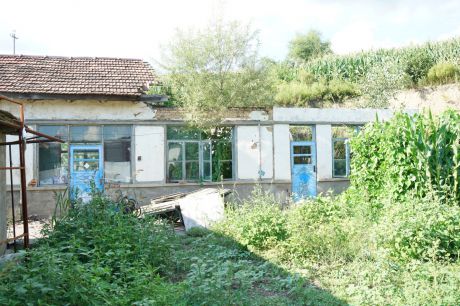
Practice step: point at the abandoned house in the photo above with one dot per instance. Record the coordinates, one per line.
(120, 137)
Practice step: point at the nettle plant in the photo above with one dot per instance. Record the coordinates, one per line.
(417, 154)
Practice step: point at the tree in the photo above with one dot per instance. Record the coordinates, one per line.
(305, 47)
(213, 69)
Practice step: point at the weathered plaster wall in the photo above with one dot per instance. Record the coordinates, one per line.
(3, 202)
(254, 150)
(282, 152)
(149, 153)
(323, 151)
(329, 115)
(84, 110)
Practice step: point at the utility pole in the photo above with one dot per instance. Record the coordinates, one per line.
(13, 35)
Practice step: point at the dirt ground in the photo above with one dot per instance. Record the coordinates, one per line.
(35, 227)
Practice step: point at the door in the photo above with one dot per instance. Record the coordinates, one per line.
(303, 169)
(86, 166)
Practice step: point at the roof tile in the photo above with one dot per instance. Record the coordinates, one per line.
(74, 75)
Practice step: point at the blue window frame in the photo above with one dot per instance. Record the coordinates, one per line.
(341, 153)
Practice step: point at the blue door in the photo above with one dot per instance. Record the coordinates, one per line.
(86, 166)
(303, 169)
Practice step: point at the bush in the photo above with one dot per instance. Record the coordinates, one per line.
(96, 255)
(424, 229)
(322, 230)
(311, 93)
(418, 63)
(443, 73)
(258, 222)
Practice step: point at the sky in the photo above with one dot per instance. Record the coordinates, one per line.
(137, 28)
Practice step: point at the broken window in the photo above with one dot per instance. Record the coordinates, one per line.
(53, 165)
(197, 155)
(117, 153)
(301, 133)
(341, 149)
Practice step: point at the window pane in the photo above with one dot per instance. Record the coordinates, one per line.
(222, 150)
(339, 149)
(80, 165)
(174, 151)
(340, 167)
(206, 171)
(86, 154)
(192, 171)
(226, 169)
(300, 160)
(117, 153)
(344, 131)
(117, 132)
(53, 163)
(175, 171)
(59, 131)
(191, 151)
(182, 133)
(206, 151)
(85, 134)
(302, 149)
(301, 133)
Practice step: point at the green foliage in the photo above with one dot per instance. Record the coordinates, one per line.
(257, 222)
(376, 75)
(418, 63)
(213, 69)
(305, 47)
(425, 229)
(316, 93)
(443, 73)
(381, 82)
(409, 154)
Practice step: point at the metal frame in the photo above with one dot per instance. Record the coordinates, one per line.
(21, 129)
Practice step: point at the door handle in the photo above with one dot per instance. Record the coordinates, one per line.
(314, 169)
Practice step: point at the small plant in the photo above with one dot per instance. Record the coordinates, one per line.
(443, 73)
(418, 63)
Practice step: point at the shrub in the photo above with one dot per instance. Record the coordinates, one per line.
(418, 63)
(322, 230)
(424, 229)
(443, 73)
(258, 222)
(96, 255)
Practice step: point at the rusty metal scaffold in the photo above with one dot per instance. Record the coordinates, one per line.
(21, 129)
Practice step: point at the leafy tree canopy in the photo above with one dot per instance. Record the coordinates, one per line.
(305, 47)
(213, 69)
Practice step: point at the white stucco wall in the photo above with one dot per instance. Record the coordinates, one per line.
(282, 152)
(323, 151)
(254, 153)
(330, 115)
(84, 110)
(149, 148)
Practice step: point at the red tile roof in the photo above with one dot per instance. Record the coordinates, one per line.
(74, 75)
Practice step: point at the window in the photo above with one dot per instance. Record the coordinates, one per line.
(194, 155)
(117, 153)
(301, 133)
(341, 149)
(54, 157)
(53, 165)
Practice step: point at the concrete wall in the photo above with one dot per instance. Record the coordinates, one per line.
(282, 152)
(323, 151)
(3, 200)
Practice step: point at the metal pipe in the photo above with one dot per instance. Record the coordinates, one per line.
(23, 189)
(12, 199)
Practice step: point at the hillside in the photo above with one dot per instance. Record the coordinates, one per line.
(369, 79)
